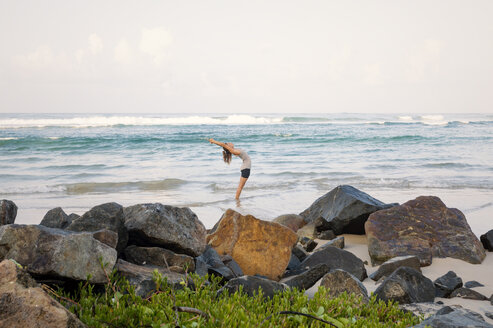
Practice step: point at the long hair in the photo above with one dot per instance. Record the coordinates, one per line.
(226, 155)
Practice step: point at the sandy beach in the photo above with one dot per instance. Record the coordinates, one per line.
(482, 273)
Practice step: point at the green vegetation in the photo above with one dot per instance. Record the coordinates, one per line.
(201, 306)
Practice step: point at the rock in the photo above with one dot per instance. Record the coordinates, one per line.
(491, 299)
(308, 278)
(424, 227)
(299, 252)
(159, 257)
(406, 285)
(468, 294)
(339, 281)
(107, 216)
(345, 210)
(215, 265)
(336, 242)
(308, 244)
(141, 277)
(446, 284)
(294, 263)
(472, 284)
(391, 265)
(8, 212)
(235, 268)
(259, 247)
(326, 235)
(201, 268)
(107, 237)
(454, 318)
(336, 258)
(292, 221)
(308, 231)
(56, 253)
(487, 240)
(57, 218)
(173, 228)
(24, 304)
(251, 285)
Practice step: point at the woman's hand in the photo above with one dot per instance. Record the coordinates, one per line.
(211, 140)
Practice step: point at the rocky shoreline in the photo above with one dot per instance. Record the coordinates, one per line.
(293, 251)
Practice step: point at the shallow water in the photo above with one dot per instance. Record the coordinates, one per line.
(79, 161)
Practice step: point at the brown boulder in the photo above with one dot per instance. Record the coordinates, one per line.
(259, 247)
(424, 227)
(24, 304)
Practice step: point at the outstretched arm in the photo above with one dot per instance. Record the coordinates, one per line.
(222, 144)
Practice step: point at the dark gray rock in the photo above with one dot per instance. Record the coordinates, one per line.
(487, 240)
(56, 253)
(306, 279)
(159, 257)
(201, 268)
(215, 266)
(424, 227)
(294, 263)
(235, 268)
(406, 285)
(454, 318)
(326, 235)
(446, 284)
(308, 244)
(345, 210)
(336, 242)
(251, 285)
(339, 281)
(292, 221)
(391, 265)
(8, 212)
(472, 284)
(174, 228)
(468, 294)
(57, 218)
(107, 216)
(142, 277)
(336, 258)
(299, 252)
(489, 315)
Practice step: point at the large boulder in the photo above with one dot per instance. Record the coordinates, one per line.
(292, 221)
(424, 227)
(406, 285)
(24, 304)
(57, 218)
(339, 281)
(446, 284)
(391, 265)
(343, 210)
(174, 228)
(142, 277)
(467, 293)
(107, 216)
(487, 240)
(259, 247)
(55, 253)
(336, 258)
(251, 286)
(8, 212)
(158, 256)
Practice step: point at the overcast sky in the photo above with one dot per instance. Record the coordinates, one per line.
(251, 56)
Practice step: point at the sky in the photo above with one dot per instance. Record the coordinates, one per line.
(255, 56)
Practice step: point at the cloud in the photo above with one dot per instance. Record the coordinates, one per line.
(41, 57)
(123, 53)
(155, 43)
(95, 44)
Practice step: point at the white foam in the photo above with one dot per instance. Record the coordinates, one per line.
(9, 138)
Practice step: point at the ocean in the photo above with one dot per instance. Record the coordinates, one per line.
(77, 161)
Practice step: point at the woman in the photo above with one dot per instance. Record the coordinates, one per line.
(228, 149)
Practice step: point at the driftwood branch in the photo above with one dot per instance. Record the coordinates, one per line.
(192, 310)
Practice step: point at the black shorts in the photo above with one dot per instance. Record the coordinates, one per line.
(245, 173)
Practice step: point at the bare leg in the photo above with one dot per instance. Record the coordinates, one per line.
(240, 187)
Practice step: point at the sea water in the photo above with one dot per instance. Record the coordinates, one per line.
(78, 161)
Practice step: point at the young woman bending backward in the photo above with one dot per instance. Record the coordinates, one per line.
(228, 149)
